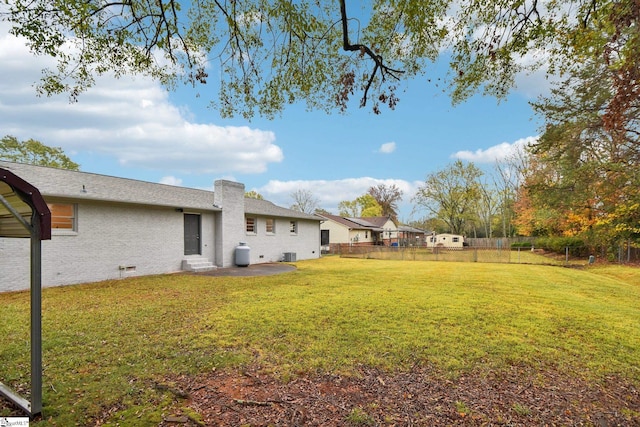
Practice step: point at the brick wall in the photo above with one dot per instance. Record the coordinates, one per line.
(111, 242)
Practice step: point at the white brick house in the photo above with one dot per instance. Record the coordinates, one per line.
(106, 227)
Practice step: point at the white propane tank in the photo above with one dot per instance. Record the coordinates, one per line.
(243, 255)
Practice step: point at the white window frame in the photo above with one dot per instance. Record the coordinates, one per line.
(293, 227)
(74, 221)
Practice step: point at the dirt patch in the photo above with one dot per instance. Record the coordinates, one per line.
(421, 397)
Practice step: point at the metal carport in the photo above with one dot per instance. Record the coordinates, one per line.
(24, 214)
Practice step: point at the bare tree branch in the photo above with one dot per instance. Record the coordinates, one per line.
(365, 50)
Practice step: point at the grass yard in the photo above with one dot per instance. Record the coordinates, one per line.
(115, 352)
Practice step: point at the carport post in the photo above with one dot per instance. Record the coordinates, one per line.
(36, 318)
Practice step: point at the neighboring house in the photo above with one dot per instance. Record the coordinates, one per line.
(337, 230)
(411, 236)
(105, 227)
(389, 234)
(445, 240)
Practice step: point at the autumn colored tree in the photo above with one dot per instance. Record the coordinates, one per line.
(534, 214)
(584, 167)
(35, 153)
(609, 37)
(387, 197)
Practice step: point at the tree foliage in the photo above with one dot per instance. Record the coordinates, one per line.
(363, 206)
(387, 197)
(583, 177)
(349, 209)
(510, 172)
(369, 206)
(253, 194)
(486, 208)
(35, 153)
(304, 201)
(269, 53)
(451, 195)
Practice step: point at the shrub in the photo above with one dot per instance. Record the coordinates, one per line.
(526, 245)
(577, 246)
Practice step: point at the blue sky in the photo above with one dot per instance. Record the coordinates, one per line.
(134, 128)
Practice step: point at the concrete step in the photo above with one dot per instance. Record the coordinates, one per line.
(198, 268)
(197, 264)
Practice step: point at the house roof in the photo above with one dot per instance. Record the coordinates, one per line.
(409, 229)
(74, 185)
(366, 223)
(267, 208)
(376, 221)
(353, 223)
(66, 184)
(340, 220)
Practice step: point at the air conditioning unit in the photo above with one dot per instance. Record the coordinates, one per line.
(289, 257)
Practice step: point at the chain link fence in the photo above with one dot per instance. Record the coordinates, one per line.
(466, 254)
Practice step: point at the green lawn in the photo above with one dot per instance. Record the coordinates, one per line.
(110, 346)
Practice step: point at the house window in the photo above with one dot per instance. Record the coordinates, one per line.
(63, 216)
(366, 234)
(271, 226)
(251, 225)
(456, 239)
(293, 227)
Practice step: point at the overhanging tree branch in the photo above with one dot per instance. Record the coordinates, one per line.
(365, 50)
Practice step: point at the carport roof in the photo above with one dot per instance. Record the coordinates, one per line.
(22, 198)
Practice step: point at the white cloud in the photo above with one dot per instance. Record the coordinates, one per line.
(387, 147)
(171, 180)
(331, 192)
(533, 84)
(495, 153)
(130, 119)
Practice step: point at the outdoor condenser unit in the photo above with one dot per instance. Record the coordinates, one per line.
(289, 257)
